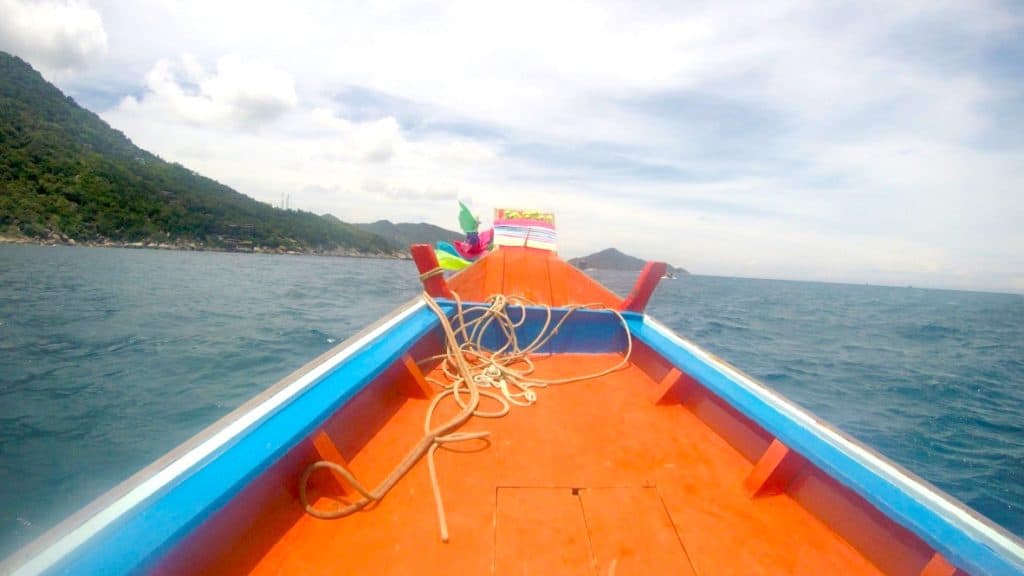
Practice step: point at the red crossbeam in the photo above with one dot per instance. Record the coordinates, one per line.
(644, 287)
(430, 273)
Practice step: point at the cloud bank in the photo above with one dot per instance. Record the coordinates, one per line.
(54, 35)
(851, 142)
(242, 93)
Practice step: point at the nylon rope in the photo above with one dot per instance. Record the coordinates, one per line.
(503, 375)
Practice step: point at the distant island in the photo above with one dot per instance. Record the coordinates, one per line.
(67, 177)
(612, 259)
(404, 234)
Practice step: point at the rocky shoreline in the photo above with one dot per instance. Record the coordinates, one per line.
(61, 240)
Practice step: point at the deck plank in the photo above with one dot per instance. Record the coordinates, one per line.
(595, 434)
(631, 534)
(540, 531)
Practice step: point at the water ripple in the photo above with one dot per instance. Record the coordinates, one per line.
(933, 379)
(109, 358)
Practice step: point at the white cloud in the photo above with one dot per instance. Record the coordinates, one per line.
(373, 141)
(243, 93)
(52, 34)
(843, 142)
(358, 170)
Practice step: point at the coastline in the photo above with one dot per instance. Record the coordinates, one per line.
(199, 247)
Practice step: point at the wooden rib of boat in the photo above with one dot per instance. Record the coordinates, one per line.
(676, 463)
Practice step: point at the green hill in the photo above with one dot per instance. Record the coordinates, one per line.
(66, 174)
(403, 234)
(612, 259)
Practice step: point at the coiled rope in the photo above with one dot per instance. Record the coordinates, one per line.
(473, 372)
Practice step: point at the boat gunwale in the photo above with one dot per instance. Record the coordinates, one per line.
(1006, 549)
(40, 554)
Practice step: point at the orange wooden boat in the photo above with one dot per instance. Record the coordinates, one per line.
(667, 461)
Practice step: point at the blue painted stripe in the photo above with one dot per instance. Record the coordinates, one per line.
(154, 527)
(159, 522)
(143, 535)
(960, 543)
(586, 331)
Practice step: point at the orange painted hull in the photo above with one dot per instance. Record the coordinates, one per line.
(626, 474)
(595, 473)
(675, 464)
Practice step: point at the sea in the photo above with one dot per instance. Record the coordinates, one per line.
(110, 357)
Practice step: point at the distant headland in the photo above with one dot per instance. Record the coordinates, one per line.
(67, 177)
(612, 259)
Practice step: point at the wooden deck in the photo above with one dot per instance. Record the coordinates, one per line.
(643, 471)
(596, 478)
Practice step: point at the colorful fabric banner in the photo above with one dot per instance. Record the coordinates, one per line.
(448, 261)
(443, 246)
(530, 228)
(467, 221)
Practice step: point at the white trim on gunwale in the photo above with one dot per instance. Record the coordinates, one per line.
(953, 510)
(49, 556)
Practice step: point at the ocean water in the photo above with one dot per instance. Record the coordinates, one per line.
(111, 357)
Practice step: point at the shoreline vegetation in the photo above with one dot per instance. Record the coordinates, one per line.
(57, 239)
(67, 177)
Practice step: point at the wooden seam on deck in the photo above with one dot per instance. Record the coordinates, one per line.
(624, 530)
(779, 470)
(712, 518)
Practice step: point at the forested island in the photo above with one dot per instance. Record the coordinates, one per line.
(612, 259)
(67, 177)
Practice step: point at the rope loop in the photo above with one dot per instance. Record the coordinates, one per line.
(431, 273)
(472, 371)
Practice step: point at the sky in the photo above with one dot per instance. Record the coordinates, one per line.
(863, 142)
